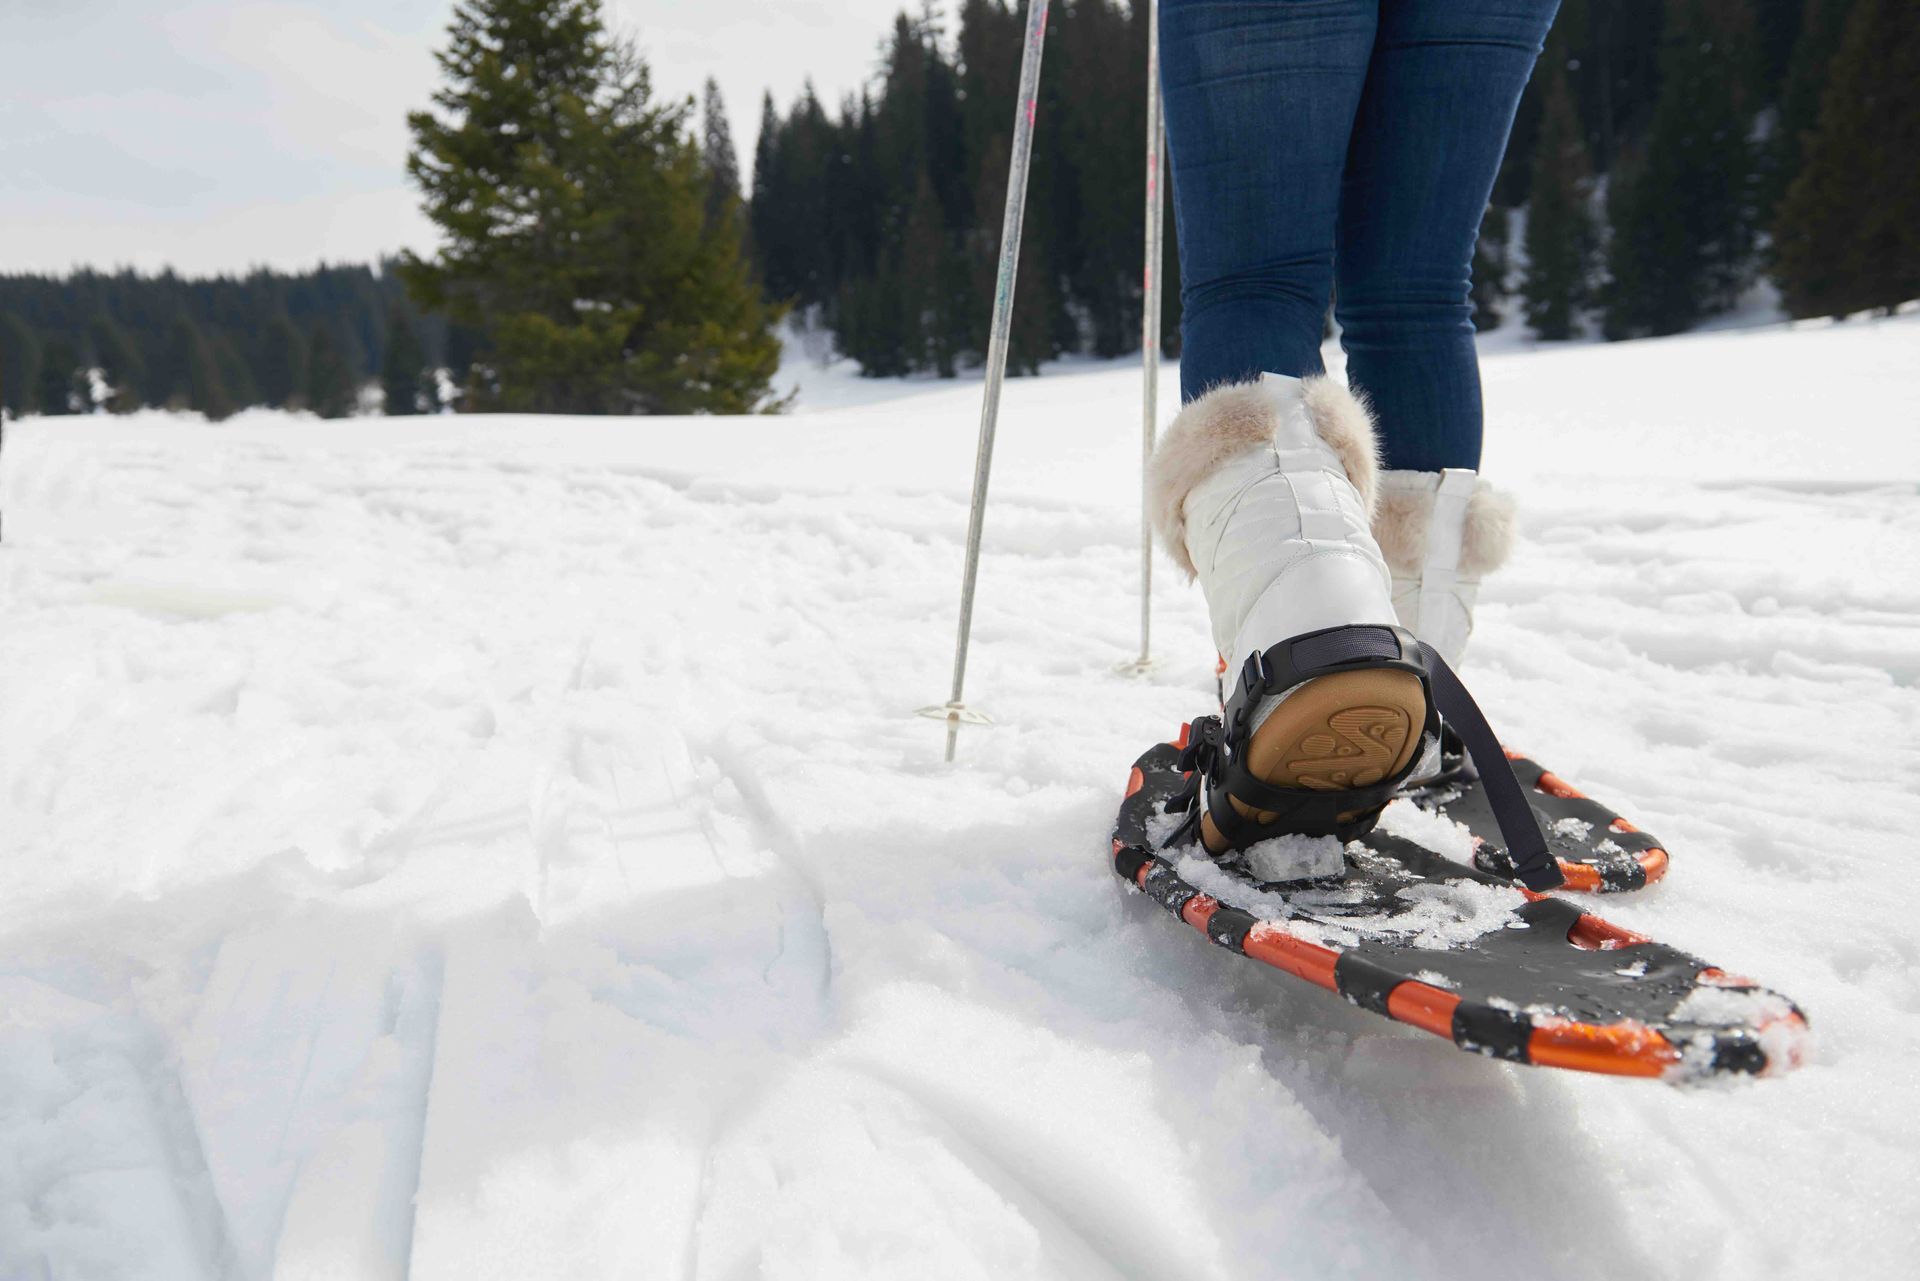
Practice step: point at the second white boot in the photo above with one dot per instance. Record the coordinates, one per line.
(1441, 532)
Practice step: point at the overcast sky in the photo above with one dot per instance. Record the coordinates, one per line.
(214, 135)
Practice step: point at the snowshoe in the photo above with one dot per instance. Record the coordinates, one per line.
(1316, 887)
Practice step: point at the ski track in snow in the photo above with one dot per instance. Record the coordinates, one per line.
(489, 848)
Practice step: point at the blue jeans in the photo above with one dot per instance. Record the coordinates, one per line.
(1344, 147)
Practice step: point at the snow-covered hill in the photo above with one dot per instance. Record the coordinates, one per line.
(505, 848)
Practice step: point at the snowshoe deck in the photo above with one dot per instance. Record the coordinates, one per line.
(1598, 851)
(1462, 953)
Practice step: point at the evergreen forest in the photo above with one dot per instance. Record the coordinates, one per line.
(1669, 156)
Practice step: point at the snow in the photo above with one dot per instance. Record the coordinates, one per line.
(1446, 915)
(1728, 1007)
(1294, 858)
(1438, 833)
(503, 847)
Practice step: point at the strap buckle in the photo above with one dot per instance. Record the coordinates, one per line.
(1206, 745)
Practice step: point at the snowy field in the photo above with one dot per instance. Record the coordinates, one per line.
(504, 848)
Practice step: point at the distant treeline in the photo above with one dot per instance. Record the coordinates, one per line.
(314, 340)
(1669, 152)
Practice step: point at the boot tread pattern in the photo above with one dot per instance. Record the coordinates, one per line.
(1356, 749)
(1336, 732)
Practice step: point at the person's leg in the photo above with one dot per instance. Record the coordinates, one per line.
(1263, 484)
(1441, 90)
(1260, 100)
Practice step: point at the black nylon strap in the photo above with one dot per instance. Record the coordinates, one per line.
(1240, 783)
(1534, 864)
(1216, 752)
(1318, 650)
(1297, 660)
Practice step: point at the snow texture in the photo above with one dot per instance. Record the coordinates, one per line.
(503, 847)
(1294, 858)
(1439, 916)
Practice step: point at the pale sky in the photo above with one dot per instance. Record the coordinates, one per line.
(215, 135)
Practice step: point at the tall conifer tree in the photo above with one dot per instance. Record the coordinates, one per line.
(1848, 235)
(571, 209)
(1491, 264)
(1030, 336)
(330, 392)
(19, 367)
(926, 315)
(1683, 218)
(283, 364)
(716, 152)
(770, 202)
(59, 368)
(1560, 233)
(1101, 241)
(189, 372)
(119, 362)
(404, 367)
(236, 376)
(1798, 114)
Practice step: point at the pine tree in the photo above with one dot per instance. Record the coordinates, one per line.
(283, 364)
(59, 365)
(770, 200)
(1560, 233)
(1821, 25)
(716, 152)
(1491, 265)
(1683, 218)
(802, 251)
(463, 346)
(167, 375)
(925, 318)
(188, 373)
(330, 392)
(204, 390)
(403, 367)
(1777, 25)
(572, 214)
(19, 367)
(1030, 336)
(1848, 235)
(236, 377)
(1103, 129)
(988, 50)
(119, 362)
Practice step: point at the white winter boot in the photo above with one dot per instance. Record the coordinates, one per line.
(1264, 491)
(1441, 532)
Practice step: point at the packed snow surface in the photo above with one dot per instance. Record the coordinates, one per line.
(504, 848)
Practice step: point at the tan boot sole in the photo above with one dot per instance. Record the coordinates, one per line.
(1350, 729)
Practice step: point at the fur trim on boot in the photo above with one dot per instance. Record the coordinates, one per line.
(1236, 417)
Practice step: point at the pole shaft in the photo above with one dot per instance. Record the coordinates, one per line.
(1024, 111)
(1150, 318)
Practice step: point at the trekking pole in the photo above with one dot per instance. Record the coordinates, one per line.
(954, 711)
(1150, 332)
